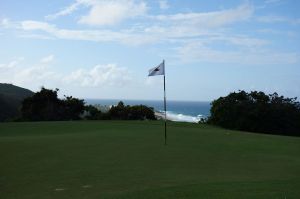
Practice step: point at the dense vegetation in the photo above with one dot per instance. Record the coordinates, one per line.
(122, 112)
(11, 98)
(46, 106)
(257, 112)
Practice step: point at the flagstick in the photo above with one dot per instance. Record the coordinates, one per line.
(160, 70)
(165, 103)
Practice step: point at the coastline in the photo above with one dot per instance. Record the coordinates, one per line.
(177, 117)
(179, 111)
(160, 115)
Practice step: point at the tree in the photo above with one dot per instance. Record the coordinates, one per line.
(46, 106)
(43, 105)
(141, 112)
(93, 113)
(137, 112)
(257, 112)
(119, 112)
(72, 107)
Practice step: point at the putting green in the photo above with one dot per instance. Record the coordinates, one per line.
(128, 159)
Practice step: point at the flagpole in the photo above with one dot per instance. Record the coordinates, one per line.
(165, 103)
(160, 70)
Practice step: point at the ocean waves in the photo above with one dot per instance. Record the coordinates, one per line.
(178, 117)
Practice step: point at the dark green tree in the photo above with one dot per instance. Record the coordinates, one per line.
(140, 112)
(72, 108)
(43, 105)
(93, 113)
(46, 106)
(257, 112)
(119, 112)
(137, 112)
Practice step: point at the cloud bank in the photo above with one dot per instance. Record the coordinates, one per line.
(42, 74)
(193, 35)
(104, 12)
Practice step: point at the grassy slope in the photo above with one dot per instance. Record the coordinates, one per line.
(121, 159)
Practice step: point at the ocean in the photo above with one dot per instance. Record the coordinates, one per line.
(184, 111)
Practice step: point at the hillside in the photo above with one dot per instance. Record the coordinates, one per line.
(11, 97)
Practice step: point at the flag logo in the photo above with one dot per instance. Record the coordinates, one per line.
(158, 70)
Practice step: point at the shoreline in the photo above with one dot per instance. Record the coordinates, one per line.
(160, 115)
(177, 117)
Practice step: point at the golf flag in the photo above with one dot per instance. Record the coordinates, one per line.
(158, 70)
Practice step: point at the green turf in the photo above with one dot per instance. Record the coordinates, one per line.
(123, 159)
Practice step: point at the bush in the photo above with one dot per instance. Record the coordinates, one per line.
(257, 112)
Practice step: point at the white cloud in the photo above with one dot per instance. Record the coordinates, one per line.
(37, 25)
(285, 33)
(66, 11)
(52, 32)
(47, 59)
(210, 19)
(104, 12)
(32, 77)
(199, 52)
(239, 40)
(113, 12)
(272, 1)
(7, 23)
(11, 64)
(42, 74)
(210, 28)
(99, 76)
(278, 19)
(90, 35)
(163, 28)
(36, 76)
(271, 19)
(4, 22)
(35, 36)
(164, 5)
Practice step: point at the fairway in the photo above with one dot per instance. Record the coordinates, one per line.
(128, 159)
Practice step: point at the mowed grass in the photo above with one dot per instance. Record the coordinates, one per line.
(128, 159)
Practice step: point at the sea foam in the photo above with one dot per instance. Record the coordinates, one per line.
(178, 117)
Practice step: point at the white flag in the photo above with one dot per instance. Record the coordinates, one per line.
(158, 70)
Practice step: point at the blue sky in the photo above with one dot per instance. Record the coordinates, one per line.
(104, 48)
